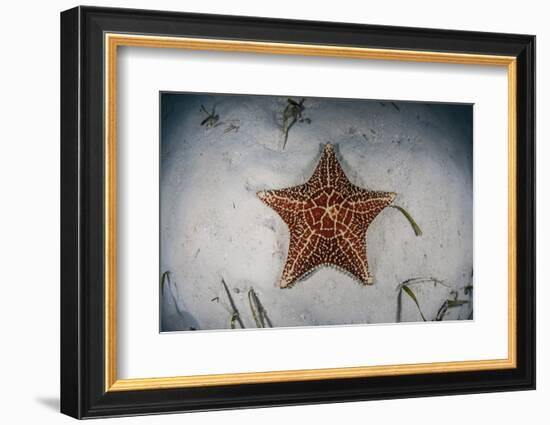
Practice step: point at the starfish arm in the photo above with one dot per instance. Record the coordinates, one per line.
(351, 255)
(365, 205)
(328, 172)
(302, 257)
(286, 202)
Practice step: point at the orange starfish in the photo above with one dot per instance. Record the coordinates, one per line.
(328, 218)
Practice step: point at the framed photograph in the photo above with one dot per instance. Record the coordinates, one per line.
(261, 212)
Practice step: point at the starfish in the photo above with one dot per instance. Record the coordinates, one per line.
(328, 218)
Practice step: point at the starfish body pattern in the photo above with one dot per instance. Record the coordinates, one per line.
(328, 218)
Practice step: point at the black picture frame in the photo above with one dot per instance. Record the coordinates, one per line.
(83, 392)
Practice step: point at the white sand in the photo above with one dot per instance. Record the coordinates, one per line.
(214, 226)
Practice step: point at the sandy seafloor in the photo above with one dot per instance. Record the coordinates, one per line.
(213, 226)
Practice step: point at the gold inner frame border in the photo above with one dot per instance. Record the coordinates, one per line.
(111, 43)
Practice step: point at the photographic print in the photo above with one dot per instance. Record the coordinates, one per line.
(286, 211)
